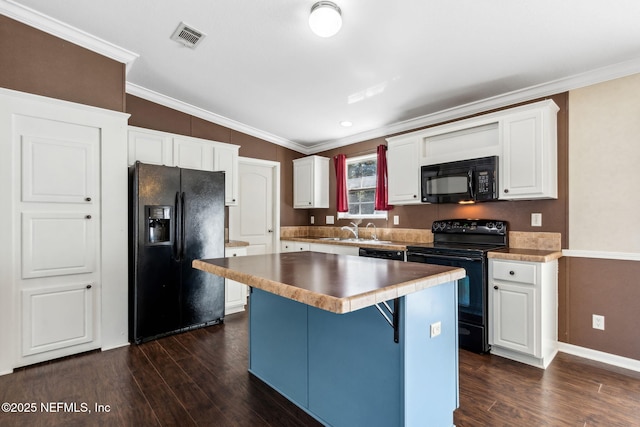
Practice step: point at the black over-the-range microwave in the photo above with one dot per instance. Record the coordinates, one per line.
(464, 181)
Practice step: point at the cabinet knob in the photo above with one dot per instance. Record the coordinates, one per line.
(512, 273)
(235, 254)
(415, 196)
(506, 190)
(270, 231)
(88, 286)
(88, 216)
(233, 200)
(309, 202)
(87, 199)
(495, 287)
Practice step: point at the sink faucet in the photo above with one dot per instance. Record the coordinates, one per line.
(353, 229)
(374, 236)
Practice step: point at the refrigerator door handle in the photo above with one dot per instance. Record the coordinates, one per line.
(183, 241)
(177, 232)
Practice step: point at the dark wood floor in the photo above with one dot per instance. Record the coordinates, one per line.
(200, 378)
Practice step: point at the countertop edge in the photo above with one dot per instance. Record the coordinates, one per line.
(527, 255)
(328, 302)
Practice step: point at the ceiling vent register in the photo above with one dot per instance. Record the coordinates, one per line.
(187, 36)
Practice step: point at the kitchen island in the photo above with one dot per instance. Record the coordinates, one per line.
(353, 341)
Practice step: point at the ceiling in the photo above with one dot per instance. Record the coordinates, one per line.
(394, 66)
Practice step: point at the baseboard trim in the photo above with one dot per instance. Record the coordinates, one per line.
(600, 356)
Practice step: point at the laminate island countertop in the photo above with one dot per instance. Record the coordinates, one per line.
(336, 283)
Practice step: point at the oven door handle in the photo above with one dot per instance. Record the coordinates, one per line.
(449, 257)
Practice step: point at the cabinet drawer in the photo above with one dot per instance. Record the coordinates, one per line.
(289, 246)
(514, 272)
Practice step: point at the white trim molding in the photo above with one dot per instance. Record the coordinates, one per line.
(66, 32)
(158, 98)
(623, 256)
(599, 356)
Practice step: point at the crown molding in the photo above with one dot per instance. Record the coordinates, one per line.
(64, 31)
(577, 81)
(184, 107)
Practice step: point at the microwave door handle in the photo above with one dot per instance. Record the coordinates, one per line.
(470, 184)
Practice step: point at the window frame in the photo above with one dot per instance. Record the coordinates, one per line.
(376, 214)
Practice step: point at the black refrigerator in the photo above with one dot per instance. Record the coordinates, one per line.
(176, 215)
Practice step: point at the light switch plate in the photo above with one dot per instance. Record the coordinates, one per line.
(330, 219)
(312, 220)
(536, 220)
(436, 329)
(396, 220)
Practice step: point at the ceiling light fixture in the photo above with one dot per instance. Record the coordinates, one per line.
(325, 19)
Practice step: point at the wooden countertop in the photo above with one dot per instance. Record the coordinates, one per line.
(530, 255)
(336, 283)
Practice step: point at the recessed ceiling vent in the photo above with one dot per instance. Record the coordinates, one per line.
(187, 36)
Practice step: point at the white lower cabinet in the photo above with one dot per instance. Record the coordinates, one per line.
(523, 307)
(334, 249)
(291, 246)
(235, 293)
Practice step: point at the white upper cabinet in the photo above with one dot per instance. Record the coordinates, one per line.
(311, 182)
(225, 158)
(403, 170)
(528, 164)
(192, 153)
(150, 147)
(524, 138)
(162, 148)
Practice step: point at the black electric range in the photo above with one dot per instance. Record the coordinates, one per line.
(465, 243)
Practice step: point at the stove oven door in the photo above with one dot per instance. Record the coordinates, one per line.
(472, 297)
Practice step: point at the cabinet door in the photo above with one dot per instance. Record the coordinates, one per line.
(193, 153)
(235, 296)
(523, 164)
(58, 209)
(303, 183)
(226, 159)
(514, 317)
(56, 317)
(150, 147)
(403, 169)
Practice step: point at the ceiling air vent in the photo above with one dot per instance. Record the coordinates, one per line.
(187, 36)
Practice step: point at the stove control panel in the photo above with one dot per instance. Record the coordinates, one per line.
(470, 226)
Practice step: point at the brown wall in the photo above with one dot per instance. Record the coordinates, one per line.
(149, 115)
(38, 63)
(609, 288)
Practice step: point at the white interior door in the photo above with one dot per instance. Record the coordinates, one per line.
(256, 217)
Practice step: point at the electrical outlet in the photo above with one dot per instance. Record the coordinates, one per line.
(396, 220)
(536, 220)
(598, 322)
(329, 219)
(312, 220)
(436, 329)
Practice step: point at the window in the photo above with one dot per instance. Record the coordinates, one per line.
(361, 186)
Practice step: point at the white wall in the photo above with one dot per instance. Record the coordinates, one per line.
(604, 167)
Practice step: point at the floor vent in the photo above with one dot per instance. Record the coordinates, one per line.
(187, 36)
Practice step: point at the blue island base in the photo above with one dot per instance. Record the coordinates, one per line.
(345, 370)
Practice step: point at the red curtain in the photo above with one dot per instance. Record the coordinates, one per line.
(382, 192)
(340, 163)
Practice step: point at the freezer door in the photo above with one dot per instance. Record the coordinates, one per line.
(155, 287)
(202, 294)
